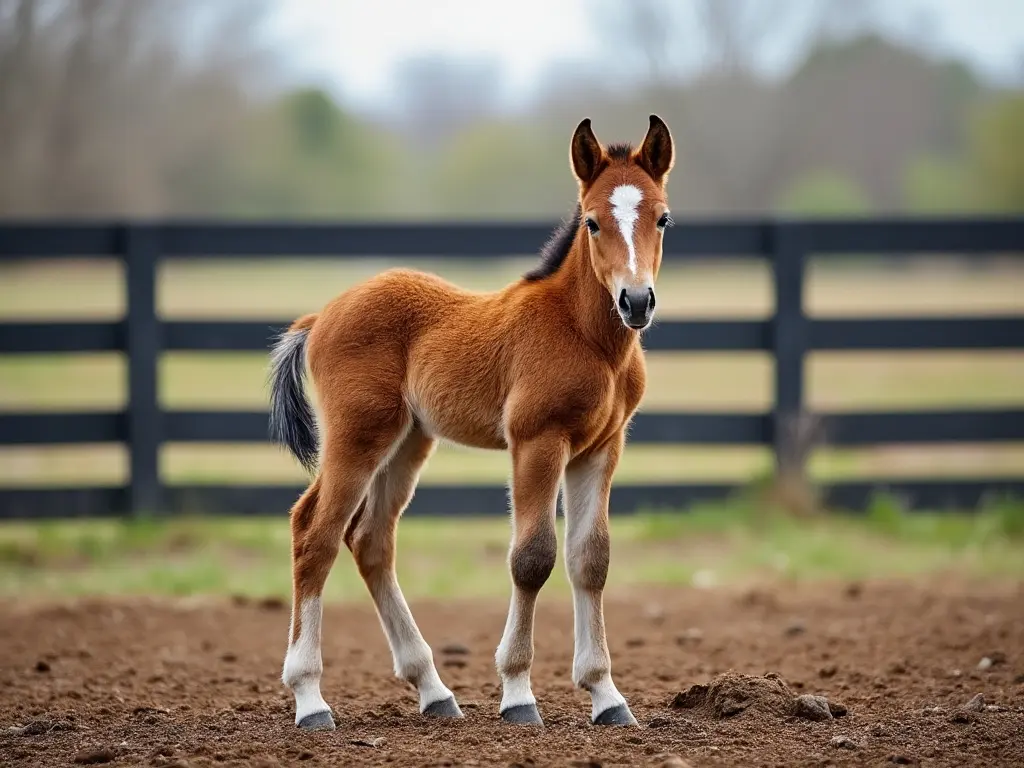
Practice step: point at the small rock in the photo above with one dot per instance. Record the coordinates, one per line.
(377, 741)
(794, 628)
(977, 704)
(838, 709)
(635, 642)
(898, 668)
(843, 742)
(668, 760)
(659, 722)
(229, 657)
(934, 711)
(828, 671)
(42, 666)
(1019, 679)
(812, 707)
(854, 590)
(95, 756)
(455, 663)
(985, 664)
(455, 649)
(900, 759)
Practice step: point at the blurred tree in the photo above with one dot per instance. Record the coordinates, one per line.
(937, 184)
(997, 153)
(504, 169)
(824, 193)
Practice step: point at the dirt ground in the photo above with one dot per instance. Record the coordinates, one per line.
(713, 677)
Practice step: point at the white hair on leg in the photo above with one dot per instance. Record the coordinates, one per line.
(303, 664)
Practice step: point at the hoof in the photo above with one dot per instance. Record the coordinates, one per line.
(619, 715)
(443, 708)
(523, 714)
(318, 721)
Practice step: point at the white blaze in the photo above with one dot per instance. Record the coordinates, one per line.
(624, 200)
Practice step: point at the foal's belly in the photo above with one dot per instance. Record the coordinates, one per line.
(467, 423)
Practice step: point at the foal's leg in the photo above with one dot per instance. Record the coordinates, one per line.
(372, 541)
(587, 485)
(319, 519)
(536, 470)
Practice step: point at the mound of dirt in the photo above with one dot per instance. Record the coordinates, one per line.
(731, 693)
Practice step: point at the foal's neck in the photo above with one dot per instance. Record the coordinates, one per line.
(591, 307)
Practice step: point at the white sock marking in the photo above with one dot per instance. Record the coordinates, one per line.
(625, 199)
(303, 665)
(413, 659)
(515, 689)
(584, 499)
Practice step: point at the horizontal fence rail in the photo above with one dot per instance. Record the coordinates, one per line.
(788, 336)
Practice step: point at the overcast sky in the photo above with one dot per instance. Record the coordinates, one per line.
(352, 45)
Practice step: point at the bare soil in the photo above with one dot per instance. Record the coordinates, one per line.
(844, 674)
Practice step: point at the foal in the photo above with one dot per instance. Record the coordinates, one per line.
(549, 368)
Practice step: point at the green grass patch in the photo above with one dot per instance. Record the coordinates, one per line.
(736, 542)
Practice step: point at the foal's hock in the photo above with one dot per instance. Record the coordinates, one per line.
(549, 368)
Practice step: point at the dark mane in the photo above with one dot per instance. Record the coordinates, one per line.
(620, 151)
(556, 248)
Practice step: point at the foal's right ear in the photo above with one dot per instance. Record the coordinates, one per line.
(587, 155)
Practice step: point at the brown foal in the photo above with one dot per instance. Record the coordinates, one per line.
(549, 368)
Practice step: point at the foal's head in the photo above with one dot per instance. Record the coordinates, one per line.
(625, 209)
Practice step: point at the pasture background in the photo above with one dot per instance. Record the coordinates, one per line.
(167, 109)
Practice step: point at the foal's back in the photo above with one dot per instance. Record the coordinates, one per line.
(410, 340)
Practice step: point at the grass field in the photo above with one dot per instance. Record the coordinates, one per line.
(705, 381)
(740, 542)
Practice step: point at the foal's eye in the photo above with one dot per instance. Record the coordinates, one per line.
(592, 226)
(665, 220)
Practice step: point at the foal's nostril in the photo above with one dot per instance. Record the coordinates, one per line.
(651, 302)
(624, 304)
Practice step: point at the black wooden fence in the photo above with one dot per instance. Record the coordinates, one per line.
(789, 335)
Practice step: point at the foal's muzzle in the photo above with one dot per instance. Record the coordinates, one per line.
(636, 306)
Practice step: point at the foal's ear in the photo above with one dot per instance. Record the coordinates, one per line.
(657, 154)
(587, 155)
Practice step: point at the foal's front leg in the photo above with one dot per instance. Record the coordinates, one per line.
(536, 470)
(587, 549)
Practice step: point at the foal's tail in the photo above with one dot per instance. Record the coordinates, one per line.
(292, 421)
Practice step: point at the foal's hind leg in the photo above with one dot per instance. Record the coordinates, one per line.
(372, 541)
(537, 468)
(319, 520)
(587, 549)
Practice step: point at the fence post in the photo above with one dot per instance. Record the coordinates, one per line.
(142, 253)
(789, 343)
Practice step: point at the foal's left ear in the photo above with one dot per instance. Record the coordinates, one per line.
(657, 154)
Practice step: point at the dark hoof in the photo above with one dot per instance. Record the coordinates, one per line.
(619, 715)
(318, 721)
(523, 714)
(443, 708)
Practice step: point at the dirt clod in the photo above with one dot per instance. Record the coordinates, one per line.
(843, 742)
(455, 649)
(976, 704)
(375, 742)
(42, 666)
(812, 708)
(95, 756)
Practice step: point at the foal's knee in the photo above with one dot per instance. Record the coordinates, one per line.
(533, 558)
(587, 563)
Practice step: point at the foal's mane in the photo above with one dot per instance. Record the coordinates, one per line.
(556, 249)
